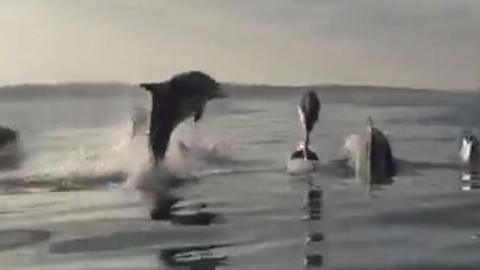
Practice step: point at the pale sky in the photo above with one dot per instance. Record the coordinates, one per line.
(419, 43)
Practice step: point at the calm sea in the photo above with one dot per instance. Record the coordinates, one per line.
(67, 203)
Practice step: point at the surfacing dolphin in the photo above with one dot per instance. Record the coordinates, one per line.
(469, 152)
(382, 163)
(303, 159)
(10, 156)
(308, 111)
(7, 136)
(183, 96)
(370, 155)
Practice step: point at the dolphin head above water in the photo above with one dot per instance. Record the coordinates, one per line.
(183, 96)
(309, 109)
(469, 149)
(7, 136)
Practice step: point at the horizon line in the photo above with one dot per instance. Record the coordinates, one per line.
(236, 83)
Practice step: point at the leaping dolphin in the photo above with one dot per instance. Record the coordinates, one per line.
(308, 111)
(183, 96)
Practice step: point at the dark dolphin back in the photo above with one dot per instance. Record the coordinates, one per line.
(192, 83)
(475, 148)
(7, 136)
(310, 106)
(382, 161)
(468, 135)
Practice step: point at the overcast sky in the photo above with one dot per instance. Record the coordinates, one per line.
(420, 43)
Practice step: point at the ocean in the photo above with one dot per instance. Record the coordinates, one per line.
(69, 201)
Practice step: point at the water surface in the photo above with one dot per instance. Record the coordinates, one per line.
(66, 206)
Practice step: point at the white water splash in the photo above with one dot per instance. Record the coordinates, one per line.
(189, 155)
(356, 149)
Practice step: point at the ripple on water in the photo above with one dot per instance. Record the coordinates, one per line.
(12, 239)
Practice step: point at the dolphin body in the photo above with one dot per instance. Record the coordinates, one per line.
(183, 96)
(370, 155)
(303, 159)
(382, 163)
(469, 152)
(10, 156)
(308, 111)
(7, 136)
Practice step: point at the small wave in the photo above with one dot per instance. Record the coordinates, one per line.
(244, 111)
(12, 239)
(46, 183)
(195, 255)
(213, 172)
(427, 139)
(11, 157)
(409, 166)
(267, 141)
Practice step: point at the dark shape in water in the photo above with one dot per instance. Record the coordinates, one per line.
(314, 203)
(7, 136)
(165, 208)
(314, 209)
(20, 238)
(173, 101)
(10, 156)
(198, 218)
(382, 163)
(314, 260)
(315, 237)
(300, 154)
(196, 258)
(308, 110)
(469, 152)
